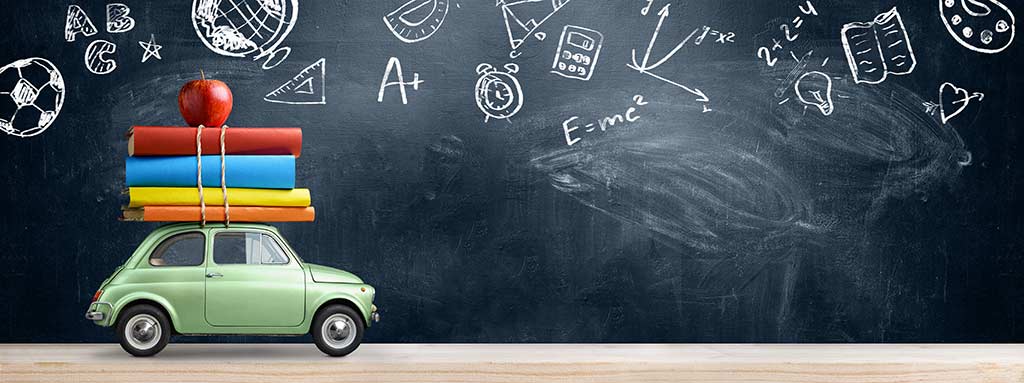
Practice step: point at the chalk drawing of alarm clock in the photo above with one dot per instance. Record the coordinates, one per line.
(498, 93)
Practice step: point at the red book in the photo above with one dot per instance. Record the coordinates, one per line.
(181, 141)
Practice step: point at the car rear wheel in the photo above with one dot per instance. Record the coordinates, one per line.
(143, 330)
(337, 330)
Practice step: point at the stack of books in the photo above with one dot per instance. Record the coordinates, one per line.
(162, 173)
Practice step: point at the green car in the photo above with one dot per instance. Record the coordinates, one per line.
(241, 279)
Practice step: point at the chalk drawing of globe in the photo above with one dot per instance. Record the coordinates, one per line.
(241, 27)
(31, 94)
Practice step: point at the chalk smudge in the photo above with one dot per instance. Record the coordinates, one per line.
(759, 175)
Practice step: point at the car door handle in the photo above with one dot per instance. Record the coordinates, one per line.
(214, 275)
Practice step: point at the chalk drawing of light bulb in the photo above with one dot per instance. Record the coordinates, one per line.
(815, 89)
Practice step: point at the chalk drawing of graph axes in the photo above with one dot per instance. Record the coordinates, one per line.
(645, 68)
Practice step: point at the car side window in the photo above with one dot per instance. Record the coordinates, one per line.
(185, 249)
(246, 248)
(272, 253)
(236, 248)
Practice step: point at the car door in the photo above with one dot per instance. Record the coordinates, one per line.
(174, 271)
(252, 281)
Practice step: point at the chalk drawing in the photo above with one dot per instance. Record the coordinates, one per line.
(498, 93)
(523, 17)
(571, 124)
(878, 48)
(794, 73)
(77, 22)
(789, 34)
(150, 49)
(33, 100)
(306, 88)
(647, 8)
(952, 101)
(118, 20)
(654, 173)
(416, 20)
(811, 87)
(985, 26)
(719, 37)
(396, 66)
(239, 28)
(96, 60)
(815, 89)
(577, 53)
(645, 67)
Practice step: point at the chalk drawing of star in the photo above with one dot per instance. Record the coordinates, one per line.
(152, 50)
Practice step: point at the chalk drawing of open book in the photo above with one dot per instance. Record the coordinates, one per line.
(878, 48)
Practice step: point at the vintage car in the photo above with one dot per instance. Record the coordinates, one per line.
(242, 279)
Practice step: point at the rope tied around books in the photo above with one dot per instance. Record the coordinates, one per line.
(223, 181)
(199, 175)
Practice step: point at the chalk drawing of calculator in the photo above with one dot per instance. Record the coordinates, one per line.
(577, 53)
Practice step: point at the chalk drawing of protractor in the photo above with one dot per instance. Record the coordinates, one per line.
(416, 20)
(305, 88)
(523, 17)
(982, 26)
(646, 68)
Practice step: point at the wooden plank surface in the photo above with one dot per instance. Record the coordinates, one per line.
(707, 363)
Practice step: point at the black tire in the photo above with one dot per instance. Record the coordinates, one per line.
(327, 339)
(151, 326)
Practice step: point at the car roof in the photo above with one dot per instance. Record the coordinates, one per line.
(143, 249)
(182, 226)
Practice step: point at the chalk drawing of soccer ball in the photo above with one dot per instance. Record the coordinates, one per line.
(241, 27)
(31, 94)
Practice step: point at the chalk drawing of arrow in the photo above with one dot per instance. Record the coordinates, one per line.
(646, 68)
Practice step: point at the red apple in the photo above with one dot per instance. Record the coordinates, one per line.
(205, 102)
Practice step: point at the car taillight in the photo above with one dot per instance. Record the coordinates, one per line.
(96, 296)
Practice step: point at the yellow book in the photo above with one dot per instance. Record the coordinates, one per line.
(172, 196)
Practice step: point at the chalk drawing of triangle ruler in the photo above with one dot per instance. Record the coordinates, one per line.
(645, 68)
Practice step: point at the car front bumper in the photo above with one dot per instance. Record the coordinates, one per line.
(374, 314)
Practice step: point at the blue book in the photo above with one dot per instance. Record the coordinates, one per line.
(263, 172)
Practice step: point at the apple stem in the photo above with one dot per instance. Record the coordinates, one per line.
(203, 75)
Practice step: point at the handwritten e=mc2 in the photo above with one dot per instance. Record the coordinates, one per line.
(570, 125)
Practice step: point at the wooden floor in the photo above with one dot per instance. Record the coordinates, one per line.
(246, 363)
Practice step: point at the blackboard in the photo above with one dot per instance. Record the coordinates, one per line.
(715, 199)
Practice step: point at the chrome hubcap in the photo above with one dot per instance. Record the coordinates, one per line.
(339, 331)
(142, 331)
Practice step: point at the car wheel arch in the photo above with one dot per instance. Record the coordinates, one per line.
(152, 301)
(337, 301)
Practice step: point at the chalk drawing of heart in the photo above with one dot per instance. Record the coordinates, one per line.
(953, 100)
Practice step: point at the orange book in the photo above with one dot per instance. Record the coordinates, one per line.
(216, 214)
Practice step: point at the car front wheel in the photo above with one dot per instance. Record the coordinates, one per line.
(143, 330)
(337, 330)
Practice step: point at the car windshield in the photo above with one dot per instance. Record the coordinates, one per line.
(290, 248)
